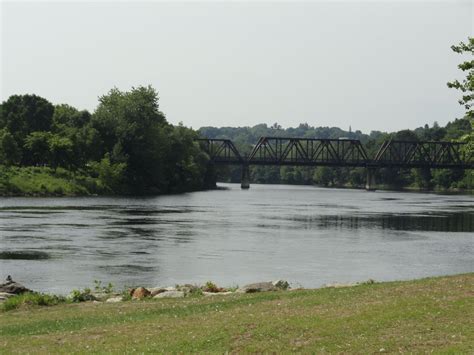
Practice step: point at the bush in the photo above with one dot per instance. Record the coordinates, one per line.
(77, 296)
(33, 299)
(111, 175)
(211, 287)
(98, 287)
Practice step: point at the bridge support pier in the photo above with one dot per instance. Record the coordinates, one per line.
(245, 177)
(370, 184)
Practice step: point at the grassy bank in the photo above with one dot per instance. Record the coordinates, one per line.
(45, 181)
(435, 314)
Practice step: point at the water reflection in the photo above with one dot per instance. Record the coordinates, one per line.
(448, 222)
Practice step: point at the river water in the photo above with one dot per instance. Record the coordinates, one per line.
(309, 236)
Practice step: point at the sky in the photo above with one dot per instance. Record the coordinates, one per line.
(371, 65)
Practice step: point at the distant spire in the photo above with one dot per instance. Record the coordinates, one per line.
(350, 129)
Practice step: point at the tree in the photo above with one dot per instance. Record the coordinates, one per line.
(111, 175)
(467, 99)
(10, 153)
(467, 84)
(23, 114)
(61, 149)
(68, 116)
(324, 175)
(36, 148)
(135, 131)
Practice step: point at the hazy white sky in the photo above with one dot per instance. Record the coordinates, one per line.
(372, 65)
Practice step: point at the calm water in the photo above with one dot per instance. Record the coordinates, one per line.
(309, 236)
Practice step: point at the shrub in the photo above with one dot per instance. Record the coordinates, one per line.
(126, 295)
(211, 287)
(31, 298)
(103, 289)
(81, 296)
(195, 291)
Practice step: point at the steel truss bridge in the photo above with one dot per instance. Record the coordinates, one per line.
(340, 153)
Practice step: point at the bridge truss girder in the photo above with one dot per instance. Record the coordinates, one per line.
(436, 155)
(221, 151)
(341, 152)
(308, 152)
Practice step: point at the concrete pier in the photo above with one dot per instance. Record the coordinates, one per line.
(245, 177)
(371, 184)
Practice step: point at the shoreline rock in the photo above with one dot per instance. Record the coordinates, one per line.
(139, 293)
(170, 294)
(13, 287)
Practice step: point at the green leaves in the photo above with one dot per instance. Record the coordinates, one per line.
(10, 153)
(467, 85)
(111, 175)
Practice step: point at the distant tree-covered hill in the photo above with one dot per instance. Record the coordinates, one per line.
(245, 137)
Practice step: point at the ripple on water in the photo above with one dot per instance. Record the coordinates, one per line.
(127, 268)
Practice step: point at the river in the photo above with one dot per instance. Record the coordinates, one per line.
(307, 235)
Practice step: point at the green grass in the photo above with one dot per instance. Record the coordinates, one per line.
(44, 181)
(435, 314)
(31, 299)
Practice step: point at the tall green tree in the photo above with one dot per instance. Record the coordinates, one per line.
(61, 150)
(135, 132)
(36, 148)
(466, 86)
(10, 152)
(23, 114)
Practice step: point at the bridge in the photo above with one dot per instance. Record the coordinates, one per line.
(339, 153)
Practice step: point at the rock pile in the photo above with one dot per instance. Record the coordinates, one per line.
(209, 289)
(11, 288)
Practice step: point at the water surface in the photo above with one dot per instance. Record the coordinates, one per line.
(307, 235)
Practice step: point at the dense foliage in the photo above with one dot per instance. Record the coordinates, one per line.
(125, 146)
(466, 86)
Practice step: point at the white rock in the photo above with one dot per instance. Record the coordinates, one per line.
(6, 295)
(340, 285)
(208, 294)
(170, 294)
(114, 299)
(258, 287)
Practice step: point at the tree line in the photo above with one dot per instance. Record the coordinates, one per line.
(125, 146)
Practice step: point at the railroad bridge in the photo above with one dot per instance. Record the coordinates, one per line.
(339, 153)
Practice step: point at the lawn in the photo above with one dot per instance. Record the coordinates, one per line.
(434, 314)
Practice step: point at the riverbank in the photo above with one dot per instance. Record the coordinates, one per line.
(412, 316)
(48, 182)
